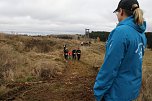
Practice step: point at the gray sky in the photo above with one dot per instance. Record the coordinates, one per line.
(63, 16)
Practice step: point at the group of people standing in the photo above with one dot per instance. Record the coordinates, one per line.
(75, 54)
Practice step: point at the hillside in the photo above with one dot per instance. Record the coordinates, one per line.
(34, 69)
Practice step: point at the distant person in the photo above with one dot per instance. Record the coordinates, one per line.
(64, 47)
(120, 76)
(66, 53)
(74, 54)
(81, 43)
(78, 53)
(89, 43)
(69, 55)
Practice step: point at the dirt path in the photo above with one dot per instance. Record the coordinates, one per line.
(75, 84)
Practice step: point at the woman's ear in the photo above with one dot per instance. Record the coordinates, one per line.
(121, 12)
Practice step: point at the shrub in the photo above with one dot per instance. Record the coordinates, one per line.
(38, 45)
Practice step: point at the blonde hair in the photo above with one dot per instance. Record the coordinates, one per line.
(138, 14)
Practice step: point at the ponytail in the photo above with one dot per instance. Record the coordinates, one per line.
(138, 14)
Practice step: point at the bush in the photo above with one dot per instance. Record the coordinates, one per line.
(8, 61)
(38, 45)
(12, 63)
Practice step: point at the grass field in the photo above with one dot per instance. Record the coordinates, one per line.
(34, 69)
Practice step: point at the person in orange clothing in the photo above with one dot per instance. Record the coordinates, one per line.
(69, 55)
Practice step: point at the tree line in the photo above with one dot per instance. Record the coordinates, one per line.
(104, 36)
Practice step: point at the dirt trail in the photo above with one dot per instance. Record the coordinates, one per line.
(75, 84)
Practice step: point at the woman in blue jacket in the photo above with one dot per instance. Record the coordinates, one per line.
(120, 76)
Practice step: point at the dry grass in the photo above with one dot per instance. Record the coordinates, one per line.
(146, 91)
(3, 89)
(22, 57)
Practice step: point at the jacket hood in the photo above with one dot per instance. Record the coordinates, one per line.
(130, 22)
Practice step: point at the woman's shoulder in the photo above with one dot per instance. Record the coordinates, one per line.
(119, 30)
(122, 28)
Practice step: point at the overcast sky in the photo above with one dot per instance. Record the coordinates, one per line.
(63, 16)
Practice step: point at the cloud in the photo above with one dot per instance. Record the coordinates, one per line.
(61, 16)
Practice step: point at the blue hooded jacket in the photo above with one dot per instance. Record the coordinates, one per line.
(119, 78)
